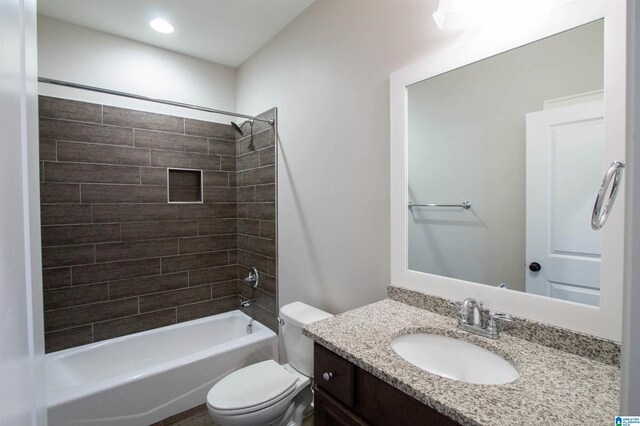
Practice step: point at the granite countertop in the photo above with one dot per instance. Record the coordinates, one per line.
(554, 387)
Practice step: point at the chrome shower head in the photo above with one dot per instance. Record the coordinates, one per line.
(238, 128)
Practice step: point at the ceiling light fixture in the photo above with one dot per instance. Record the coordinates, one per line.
(161, 26)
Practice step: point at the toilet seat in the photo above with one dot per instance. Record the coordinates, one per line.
(251, 389)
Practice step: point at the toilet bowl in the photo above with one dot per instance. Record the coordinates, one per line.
(267, 393)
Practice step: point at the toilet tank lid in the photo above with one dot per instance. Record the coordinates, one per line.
(301, 314)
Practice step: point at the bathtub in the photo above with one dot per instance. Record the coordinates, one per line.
(145, 377)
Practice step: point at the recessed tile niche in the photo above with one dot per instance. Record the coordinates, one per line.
(184, 186)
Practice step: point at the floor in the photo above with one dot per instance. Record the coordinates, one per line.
(199, 416)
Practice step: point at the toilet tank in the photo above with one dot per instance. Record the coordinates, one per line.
(299, 348)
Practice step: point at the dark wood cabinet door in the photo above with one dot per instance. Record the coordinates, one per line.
(329, 412)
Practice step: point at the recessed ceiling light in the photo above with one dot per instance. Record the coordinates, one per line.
(161, 26)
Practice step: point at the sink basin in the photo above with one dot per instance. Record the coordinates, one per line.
(454, 359)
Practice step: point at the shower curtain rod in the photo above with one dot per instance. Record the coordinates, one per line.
(271, 121)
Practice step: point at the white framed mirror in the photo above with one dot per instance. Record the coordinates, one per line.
(439, 109)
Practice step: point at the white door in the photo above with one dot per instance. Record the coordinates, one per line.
(565, 147)
(21, 334)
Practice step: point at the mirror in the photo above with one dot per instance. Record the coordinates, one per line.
(585, 311)
(519, 137)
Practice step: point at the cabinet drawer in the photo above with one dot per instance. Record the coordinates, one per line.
(333, 374)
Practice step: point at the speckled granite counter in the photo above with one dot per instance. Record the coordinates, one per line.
(554, 388)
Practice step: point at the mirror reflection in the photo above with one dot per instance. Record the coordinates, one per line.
(519, 137)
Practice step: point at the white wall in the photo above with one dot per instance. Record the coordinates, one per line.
(467, 142)
(81, 55)
(328, 74)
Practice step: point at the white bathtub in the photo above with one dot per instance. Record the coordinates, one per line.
(145, 377)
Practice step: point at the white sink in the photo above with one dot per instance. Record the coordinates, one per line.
(454, 359)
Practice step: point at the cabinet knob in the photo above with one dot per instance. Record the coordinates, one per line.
(327, 375)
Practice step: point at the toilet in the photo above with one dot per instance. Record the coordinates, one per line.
(267, 393)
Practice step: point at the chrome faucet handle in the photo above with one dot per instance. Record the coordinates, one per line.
(492, 323)
(499, 316)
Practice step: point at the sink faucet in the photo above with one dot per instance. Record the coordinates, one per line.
(475, 323)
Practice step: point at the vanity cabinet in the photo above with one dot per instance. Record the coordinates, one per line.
(346, 395)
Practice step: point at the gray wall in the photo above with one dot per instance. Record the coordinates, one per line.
(467, 142)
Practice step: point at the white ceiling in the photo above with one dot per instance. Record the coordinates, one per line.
(222, 31)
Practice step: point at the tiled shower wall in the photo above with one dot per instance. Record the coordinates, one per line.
(117, 257)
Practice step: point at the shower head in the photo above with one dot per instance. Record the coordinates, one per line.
(238, 128)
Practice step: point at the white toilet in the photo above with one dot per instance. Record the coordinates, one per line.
(267, 393)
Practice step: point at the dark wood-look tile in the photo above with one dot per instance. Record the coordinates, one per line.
(90, 173)
(63, 214)
(56, 278)
(194, 261)
(266, 193)
(79, 152)
(145, 285)
(259, 141)
(267, 156)
(266, 318)
(142, 120)
(133, 212)
(60, 235)
(155, 230)
(74, 296)
(259, 176)
(184, 178)
(209, 243)
(185, 160)
(67, 255)
(213, 275)
(212, 178)
(214, 194)
(68, 338)
(228, 163)
(209, 129)
(127, 194)
(224, 289)
(268, 283)
(66, 109)
(87, 314)
(217, 226)
(153, 176)
(168, 299)
(233, 257)
(222, 147)
(133, 324)
(59, 193)
(170, 141)
(266, 300)
(246, 194)
(47, 150)
(111, 252)
(185, 195)
(268, 229)
(241, 210)
(113, 271)
(84, 132)
(261, 211)
(250, 160)
(207, 211)
(249, 227)
(263, 263)
(209, 307)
